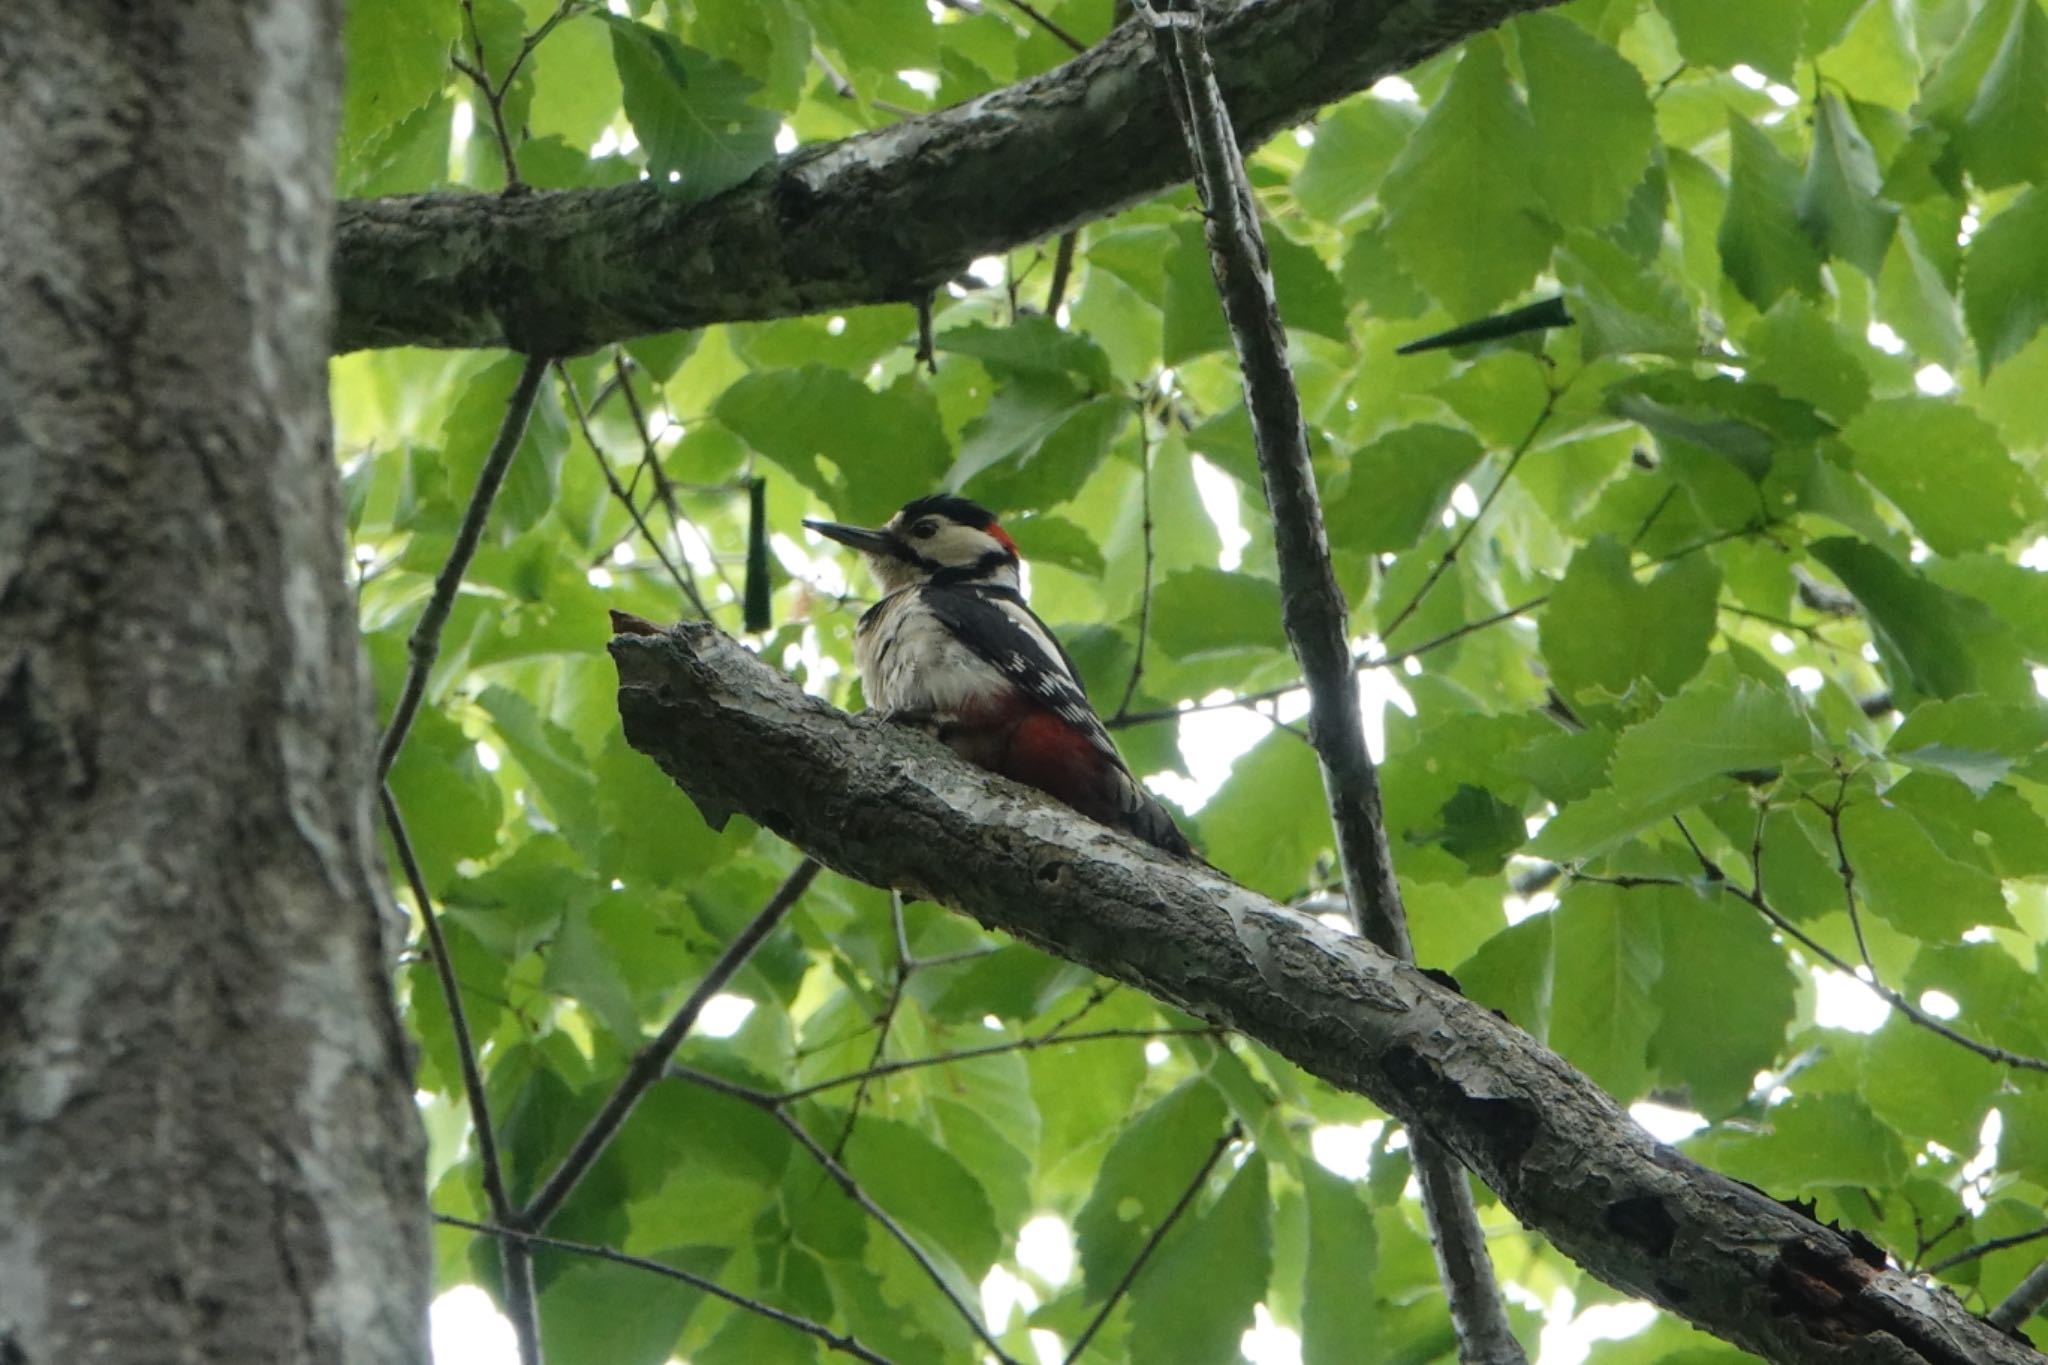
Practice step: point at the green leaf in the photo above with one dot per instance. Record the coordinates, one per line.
(1603, 630)
(1044, 539)
(2005, 278)
(1796, 350)
(1194, 1302)
(1481, 829)
(1903, 875)
(1196, 612)
(1809, 1142)
(2003, 139)
(888, 447)
(1031, 345)
(925, 1187)
(1745, 424)
(1355, 144)
(1268, 823)
(1838, 201)
(534, 476)
(1932, 642)
(1946, 469)
(1621, 308)
(552, 760)
(397, 61)
(1463, 213)
(1335, 1316)
(1592, 120)
(1764, 246)
(576, 91)
(1724, 34)
(1927, 1087)
(580, 965)
(1151, 1161)
(1720, 724)
(451, 806)
(1607, 955)
(690, 111)
(598, 1310)
(1712, 1039)
(1974, 739)
(1399, 485)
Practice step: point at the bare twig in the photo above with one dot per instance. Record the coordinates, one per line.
(1316, 618)
(1986, 1248)
(649, 1061)
(838, 1341)
(1039, 17)
(685, 580)
(520, 1305)
(968, 1054)
(2025, 1300)
(775, 1108)
(1123, 707)
(1457, 547)
(664, 486)
(425, 644)
(905, 965)
(1173, 1215)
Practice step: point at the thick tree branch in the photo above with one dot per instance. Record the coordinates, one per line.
(894, 808)
(886, 216)
(1317, 628)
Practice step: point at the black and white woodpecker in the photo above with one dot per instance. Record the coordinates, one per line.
(953, 647)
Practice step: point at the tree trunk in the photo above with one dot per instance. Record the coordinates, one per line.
(207, 1146)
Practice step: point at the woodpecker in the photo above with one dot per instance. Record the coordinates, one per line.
(953, 647)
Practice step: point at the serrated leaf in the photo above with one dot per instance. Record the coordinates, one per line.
(1932, 642)
(1399, 485)
(1607, 952)
(1335, 1316)
(1194, 1302)
(1603, 630)
(1146, 1169)
(1903, 875)
(1720, 724)
(1946, 469)
(597, 1310)
(1592, 120)
(2005, 279)
(1268, 823)
(1711, 1039)
(926, 1188)
(690, 111)
(1808, 1142)
(1480, 829)
(1838, 200)
(1797, 350)
(1044, 539)
(1725, 34)
(397, 61)
(1203, 611)
(1765, 249)
(1031, 345)
(1622, 309)
(1746, 424)
(888, 446)
(1927, 1087)
(1974, 739)
(1355, 143)
(1463, 213)
(2004, 134)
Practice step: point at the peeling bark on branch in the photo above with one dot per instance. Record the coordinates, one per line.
(883, 217)
(893, 808)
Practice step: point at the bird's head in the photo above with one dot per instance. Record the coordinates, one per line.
(942, 536)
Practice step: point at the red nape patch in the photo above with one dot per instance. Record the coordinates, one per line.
(1002, 537)
(1047, 753)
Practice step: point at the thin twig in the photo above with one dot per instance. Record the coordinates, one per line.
(1145, 528)
(664, 486)
(836, 1340)
(1982, 1249)
(1038, 16)
(1316, 618)
(1913, 1013)
(884, 1022)
(1457, 547)
(649, 1061)
(1173, 1215)
(2025, 1300)
(518, 1270)
(425, 644)
(775, 1108)
(968, 1054)
(685, 579)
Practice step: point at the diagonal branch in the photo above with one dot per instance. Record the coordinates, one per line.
(1316, 620)
(883, 217)
(894, 808)
(424, 646)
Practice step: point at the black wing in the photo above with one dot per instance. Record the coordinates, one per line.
(1002, 631)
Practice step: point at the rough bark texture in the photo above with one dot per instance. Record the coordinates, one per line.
(894, 808)
(886, 216)
(207, 1144)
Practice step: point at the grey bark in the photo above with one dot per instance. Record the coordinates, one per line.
(883, 217)
(207, 1144)
(893, 808)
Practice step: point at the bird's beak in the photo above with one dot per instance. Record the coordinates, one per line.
(859, 537)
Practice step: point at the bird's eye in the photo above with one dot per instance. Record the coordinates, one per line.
(925, 530)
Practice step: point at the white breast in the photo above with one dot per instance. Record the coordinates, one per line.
(909, 661)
